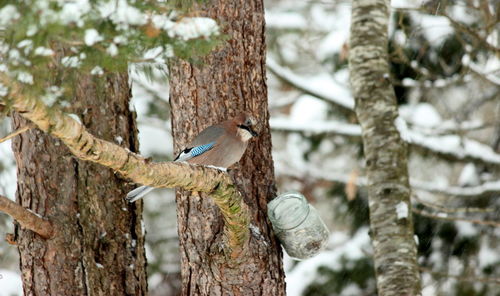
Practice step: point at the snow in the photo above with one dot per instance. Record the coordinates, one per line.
(487, 255)
(316, 127)
(119, 140)
(70, 61)
(435, 28)
(339, 33)
(305, 272)
(97, 71)
(285, 20)
(75, 117)
(466, 229)
(26, 44)
(402, 210)
(406, 3)
(460, 147)
(112, 50)
(43, 51)
(25, 77)
(488, 69)
(3, 90)
(194, 27)
(8, 13)
(73, 12)
(32, 30)
(11, 283)
(92, 37)
(462, 14)
(321, 85)
(423, 114)
(469, 176)
(122, 14)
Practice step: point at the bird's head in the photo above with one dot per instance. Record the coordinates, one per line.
(246, 125)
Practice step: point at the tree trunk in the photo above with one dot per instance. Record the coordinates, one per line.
(229, 81)
(391, 222)
(98, 248)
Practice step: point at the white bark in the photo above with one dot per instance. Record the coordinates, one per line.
(395, 253)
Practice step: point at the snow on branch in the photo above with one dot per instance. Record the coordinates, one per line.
(341, 98)
(454, 146)
(26, 218)
(484, 189)
(316, 127)
(85, 146)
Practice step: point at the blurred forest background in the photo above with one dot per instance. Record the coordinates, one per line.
(445, 62)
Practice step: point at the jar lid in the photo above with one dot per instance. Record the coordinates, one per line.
(288, 210)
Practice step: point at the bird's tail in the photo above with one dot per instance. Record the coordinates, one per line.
(138, 193)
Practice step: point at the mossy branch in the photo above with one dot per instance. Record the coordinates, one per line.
(85, 146)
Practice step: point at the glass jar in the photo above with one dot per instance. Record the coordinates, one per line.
(297, 225)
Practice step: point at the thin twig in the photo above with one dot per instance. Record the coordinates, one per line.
(444, 216)
(17, 132)
(494, 281)
(26, 218)
(451, 210)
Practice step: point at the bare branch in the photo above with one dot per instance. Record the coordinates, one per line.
(484, 189)
(447, 209)
(444, 216)
(344, 102)
(467, 278)
(448, 146)
(15, 133)
(26, 218)
(135, 167)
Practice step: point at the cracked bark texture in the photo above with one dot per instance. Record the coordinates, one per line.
(394, 247)
(98, 248)
(230, 80)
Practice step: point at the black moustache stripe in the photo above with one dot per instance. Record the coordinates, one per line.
(247, 128)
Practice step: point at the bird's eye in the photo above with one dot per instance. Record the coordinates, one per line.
(248, 122)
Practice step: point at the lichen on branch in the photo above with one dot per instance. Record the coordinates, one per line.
(85, 146)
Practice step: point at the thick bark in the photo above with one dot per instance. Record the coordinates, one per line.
(391, 222)
(98, 247)
(230, 80)
(86, 146)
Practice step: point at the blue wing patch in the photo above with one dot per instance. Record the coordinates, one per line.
(189, 153)
(198, 150)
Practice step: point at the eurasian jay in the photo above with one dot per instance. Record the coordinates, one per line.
(220, 145)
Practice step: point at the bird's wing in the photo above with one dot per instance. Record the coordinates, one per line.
(208, 135)
(202, 143)
(189, 153)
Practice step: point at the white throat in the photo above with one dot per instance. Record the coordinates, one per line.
(244, 134)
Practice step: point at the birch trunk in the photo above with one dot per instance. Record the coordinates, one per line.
(230, 80)
(395, 253)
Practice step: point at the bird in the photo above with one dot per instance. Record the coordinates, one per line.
(220, 145)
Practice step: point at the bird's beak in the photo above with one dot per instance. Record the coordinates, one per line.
(253, 133)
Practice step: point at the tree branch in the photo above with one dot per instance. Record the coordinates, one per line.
(135, 167)
(494, 281)
(444, 216)
(15, 133)
(447, 146)
(26, 218)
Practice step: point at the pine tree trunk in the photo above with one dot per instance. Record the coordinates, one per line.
(229, 81)
(99, 244)
(395, 253)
